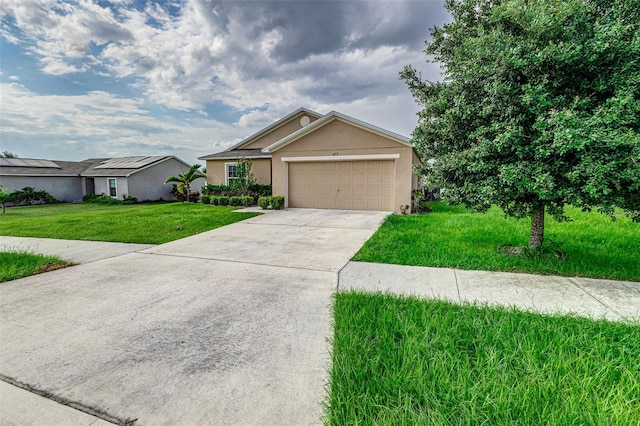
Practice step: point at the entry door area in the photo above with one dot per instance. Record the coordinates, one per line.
(346, 185)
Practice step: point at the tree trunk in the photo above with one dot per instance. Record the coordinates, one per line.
(536, 236)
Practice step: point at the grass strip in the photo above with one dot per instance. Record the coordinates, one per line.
(589, 246)
(153, 223)
(403, 361)
(15, 265)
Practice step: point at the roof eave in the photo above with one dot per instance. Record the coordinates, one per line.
(235, 157)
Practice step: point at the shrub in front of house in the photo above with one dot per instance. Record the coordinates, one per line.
(223, 200)
(236, 200)
(254, 190)
(206, 199)
(277, 202)
(103, 199)
(29, 196)
(273, 202)
(129, 199)
(258, 190)
(264, 202)
(193, 197)
(247, 200)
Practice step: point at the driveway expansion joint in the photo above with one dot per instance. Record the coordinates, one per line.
(312, 226)
(96, 412)
(235, 261)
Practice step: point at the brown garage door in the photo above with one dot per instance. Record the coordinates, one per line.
(350, 185)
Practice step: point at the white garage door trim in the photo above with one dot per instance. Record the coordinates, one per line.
(376, 160)
(341, 158)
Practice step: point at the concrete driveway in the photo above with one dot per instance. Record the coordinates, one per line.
(225, 327)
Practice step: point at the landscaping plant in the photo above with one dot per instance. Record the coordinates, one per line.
(182, 188)
(538, 108)
(275, 202)
(4, 197)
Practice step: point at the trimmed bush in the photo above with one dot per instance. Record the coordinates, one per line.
(255, 190)
(223, 200)
(206, 199)
(277, 202)
(264, 202)
(247, 200)
(274, 202)
(235, 200)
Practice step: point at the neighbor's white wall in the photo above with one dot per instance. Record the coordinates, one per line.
(62, 188)
(149, 184)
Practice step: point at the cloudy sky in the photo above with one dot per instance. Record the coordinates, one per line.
(83, 79)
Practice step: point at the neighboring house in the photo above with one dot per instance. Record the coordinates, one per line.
(61, 179)
(328, 161)
(141, 177)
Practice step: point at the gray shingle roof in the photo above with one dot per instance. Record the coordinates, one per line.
(66, 168)
(98, 169)
(86, 167)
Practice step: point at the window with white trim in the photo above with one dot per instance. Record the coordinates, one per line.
(112, 187)
(231, 172)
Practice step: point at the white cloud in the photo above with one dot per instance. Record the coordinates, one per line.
(218, 51)
(100, 124)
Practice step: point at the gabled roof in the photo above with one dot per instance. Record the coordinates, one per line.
(332, 116)
(123, 166)
(30, 167)
(126, 166)
(246, 141)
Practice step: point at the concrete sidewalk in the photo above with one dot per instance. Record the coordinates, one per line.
(70, 250)
(588, 297)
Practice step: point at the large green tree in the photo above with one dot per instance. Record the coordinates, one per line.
(539, 107)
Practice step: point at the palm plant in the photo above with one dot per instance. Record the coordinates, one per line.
(183, 181)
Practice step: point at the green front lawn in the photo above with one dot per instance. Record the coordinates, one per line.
(592, 245)
(14, 265)
(403, 361)
(153, 223)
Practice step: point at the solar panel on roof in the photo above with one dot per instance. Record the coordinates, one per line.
(28, 162)
(127, 163)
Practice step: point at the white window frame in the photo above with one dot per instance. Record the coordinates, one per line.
(227, 179)
(115, 187)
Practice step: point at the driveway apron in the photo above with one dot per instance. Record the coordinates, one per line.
(230, 326)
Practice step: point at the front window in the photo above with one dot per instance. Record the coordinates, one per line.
(112, 188)
(232, 173)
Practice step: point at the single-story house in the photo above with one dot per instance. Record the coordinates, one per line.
(141, 177)
(330, 161)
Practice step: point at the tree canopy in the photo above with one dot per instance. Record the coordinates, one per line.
(539, 107)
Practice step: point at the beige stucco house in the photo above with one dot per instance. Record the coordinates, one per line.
(330, 161)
